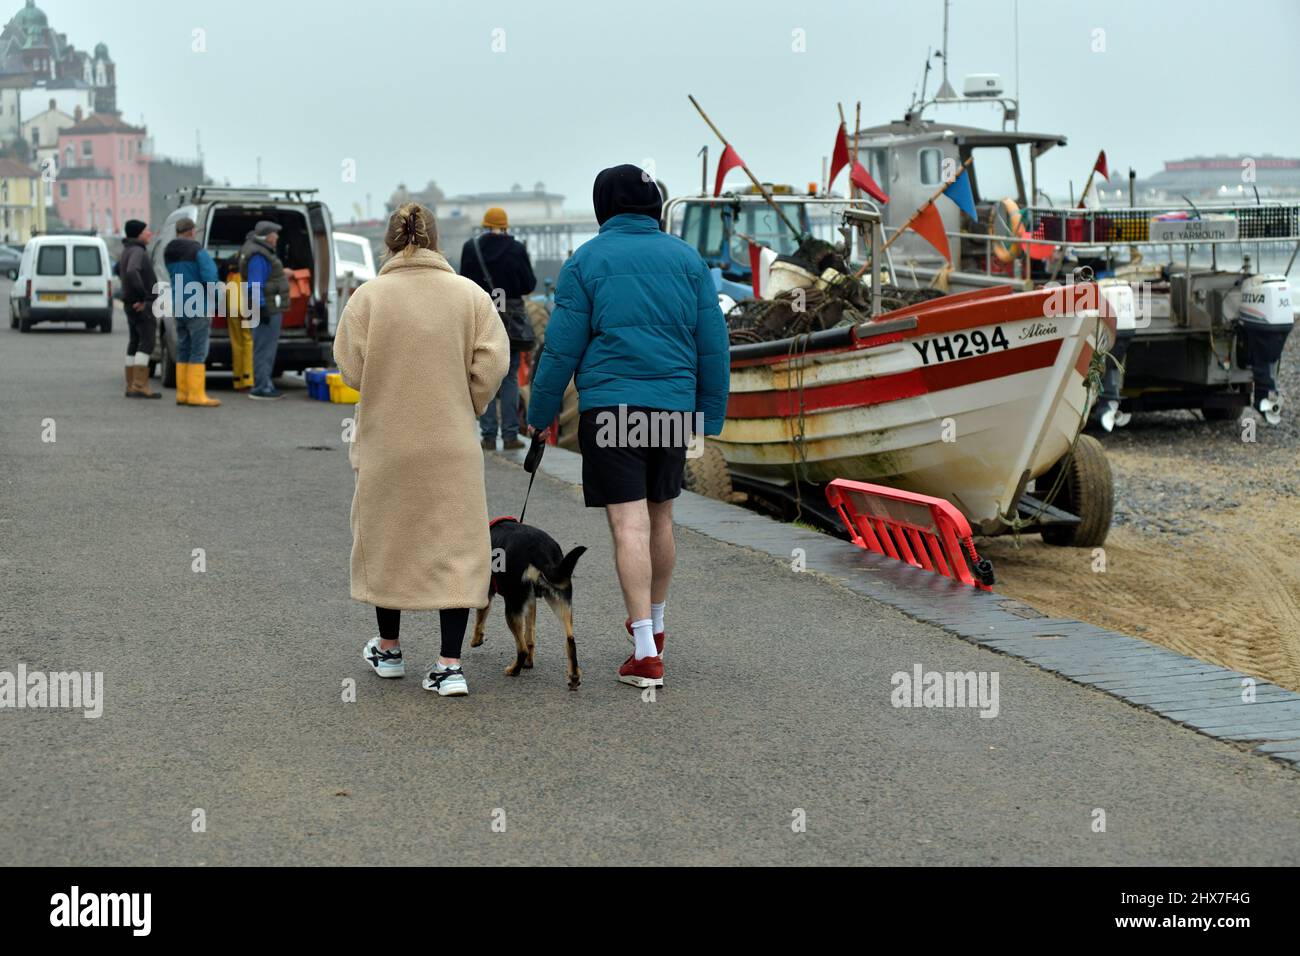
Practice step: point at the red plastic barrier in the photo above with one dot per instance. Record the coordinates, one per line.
(925, 532)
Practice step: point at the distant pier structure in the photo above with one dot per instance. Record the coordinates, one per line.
(537, 218)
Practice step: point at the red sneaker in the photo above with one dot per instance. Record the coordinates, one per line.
(646, 672)
(659, 638)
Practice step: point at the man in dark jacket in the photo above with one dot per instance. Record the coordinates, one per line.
(269, 292)
(637, 324)
(138, 279)
(499, 263)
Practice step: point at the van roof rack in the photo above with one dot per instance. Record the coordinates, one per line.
(244, 194)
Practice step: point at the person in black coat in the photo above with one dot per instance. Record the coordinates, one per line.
(135, 272)
(499, 263)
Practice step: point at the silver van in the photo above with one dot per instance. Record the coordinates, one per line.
(223, 218)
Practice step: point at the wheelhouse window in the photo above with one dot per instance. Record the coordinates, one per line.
(931, 166)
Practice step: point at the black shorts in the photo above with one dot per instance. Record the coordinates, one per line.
(618, 465)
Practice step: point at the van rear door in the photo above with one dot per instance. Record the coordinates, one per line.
(325, 294)
(90, 278)
(52, 276)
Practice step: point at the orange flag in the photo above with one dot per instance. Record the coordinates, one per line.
(929, 226)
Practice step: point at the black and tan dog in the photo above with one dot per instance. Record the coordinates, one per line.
(528, 564)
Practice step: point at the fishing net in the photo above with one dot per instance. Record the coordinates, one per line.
(837, 298)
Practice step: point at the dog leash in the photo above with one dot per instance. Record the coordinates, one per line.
(531, 461)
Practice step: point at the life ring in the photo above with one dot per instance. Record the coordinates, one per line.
(1005, 252)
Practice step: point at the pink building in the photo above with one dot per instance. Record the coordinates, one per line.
(103, 177)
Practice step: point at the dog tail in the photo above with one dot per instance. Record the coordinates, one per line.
(562, 572)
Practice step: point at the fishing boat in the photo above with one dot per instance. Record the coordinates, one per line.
(976, 397)
(968, 398)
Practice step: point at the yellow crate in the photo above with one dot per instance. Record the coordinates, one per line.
(340, 393)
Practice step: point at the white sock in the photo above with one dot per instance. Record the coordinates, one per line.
(644, 637)
(657, 615)
(141, 358)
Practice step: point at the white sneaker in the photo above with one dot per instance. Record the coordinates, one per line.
(446, 681)
(384, 663)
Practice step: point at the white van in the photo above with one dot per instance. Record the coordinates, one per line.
(62, 279)
(352, 253)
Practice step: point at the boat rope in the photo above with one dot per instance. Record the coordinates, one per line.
(795, 358)
(1092, 383)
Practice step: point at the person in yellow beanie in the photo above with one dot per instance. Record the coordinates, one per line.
(499, 264)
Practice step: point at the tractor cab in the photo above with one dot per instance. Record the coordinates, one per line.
(722, 227)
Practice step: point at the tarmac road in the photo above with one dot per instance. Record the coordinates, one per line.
(224, 688)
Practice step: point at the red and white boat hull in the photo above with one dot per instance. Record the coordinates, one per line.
(983, 392)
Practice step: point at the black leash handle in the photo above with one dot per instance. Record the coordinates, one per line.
(531, 461)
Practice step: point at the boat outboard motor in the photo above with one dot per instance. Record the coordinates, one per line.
(1118, 296)
(1264, 320)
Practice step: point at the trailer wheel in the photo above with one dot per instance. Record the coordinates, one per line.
(708, 474)
(1088, 491)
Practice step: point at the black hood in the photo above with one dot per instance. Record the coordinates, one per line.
(625, 189)
(181, 250)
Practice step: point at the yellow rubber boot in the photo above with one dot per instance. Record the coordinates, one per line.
(182, 383)
(198, 394)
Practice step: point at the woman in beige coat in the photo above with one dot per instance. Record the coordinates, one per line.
(427, 351)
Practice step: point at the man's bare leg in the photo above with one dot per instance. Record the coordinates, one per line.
(663, 549)
(630, 524)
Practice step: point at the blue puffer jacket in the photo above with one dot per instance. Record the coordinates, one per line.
(192, 272)
(637, 319)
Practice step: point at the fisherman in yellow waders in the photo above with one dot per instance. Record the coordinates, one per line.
(241, 337)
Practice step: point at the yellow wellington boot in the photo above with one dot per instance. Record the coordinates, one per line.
(198, 394)
(182, 383)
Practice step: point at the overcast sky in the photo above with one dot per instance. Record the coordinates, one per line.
(413, 91)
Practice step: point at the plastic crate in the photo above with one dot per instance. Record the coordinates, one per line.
(317, 386)
(340, 393)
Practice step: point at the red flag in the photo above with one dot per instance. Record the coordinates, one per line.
(862, 179)
(839, 156)
(755, 261)
(1100, 166)
(730, 159)
(929, 226)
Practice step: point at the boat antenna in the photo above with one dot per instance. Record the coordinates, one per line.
(945, 89)
(1193, 205)
(925, 76)
(1015, 8)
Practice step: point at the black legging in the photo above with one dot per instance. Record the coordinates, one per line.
(451, 621)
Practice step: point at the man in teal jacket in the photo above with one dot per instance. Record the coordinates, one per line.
(638, 327)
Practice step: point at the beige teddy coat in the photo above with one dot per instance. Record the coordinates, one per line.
(427, 351)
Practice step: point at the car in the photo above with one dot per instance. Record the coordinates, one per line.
(354, 255)
(10, 258)
(223, 217)
(62, 278)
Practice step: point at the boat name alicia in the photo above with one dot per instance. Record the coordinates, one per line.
(1036, 329)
